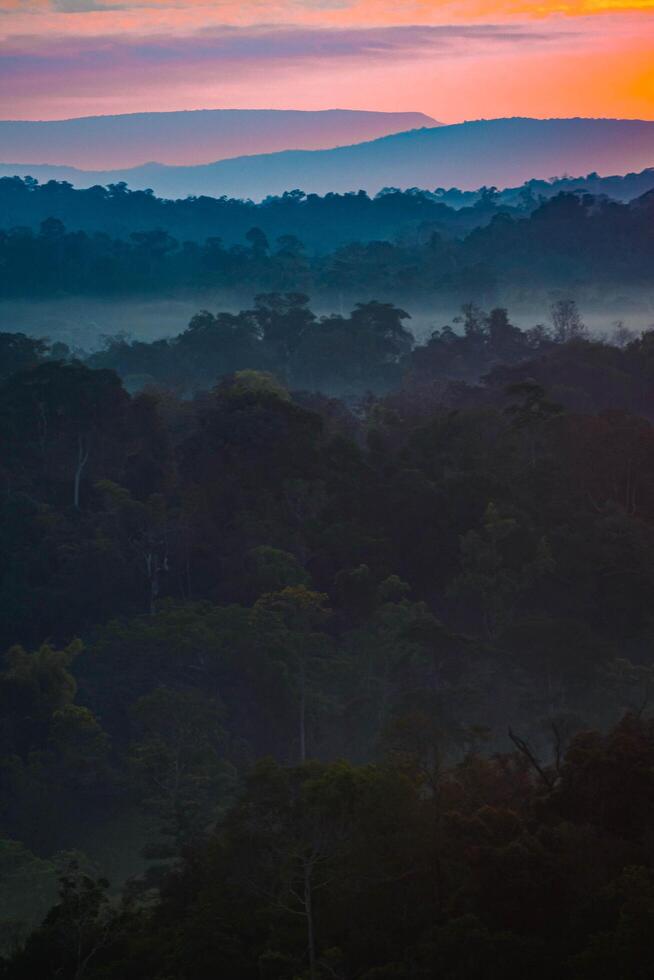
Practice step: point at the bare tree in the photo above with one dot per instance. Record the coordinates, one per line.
(568, 324)
(82, 460)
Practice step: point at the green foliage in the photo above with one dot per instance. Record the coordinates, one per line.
(176, 762)
(490, 573)
(80, 746)
(446, 587)
(274, 570)
(257, 384)
(28, 889)
(34, 687)
(418, 243)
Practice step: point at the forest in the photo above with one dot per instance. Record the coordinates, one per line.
(328, 652)
(579, 245)
(321, 222)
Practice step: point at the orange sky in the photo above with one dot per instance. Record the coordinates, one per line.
(453, 59)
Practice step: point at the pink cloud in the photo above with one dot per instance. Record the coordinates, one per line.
(61, 60)
(35, 71)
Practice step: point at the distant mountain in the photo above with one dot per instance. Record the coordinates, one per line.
(500, 152)
(184, 138)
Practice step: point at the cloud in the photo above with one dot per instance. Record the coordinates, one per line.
(94, 56)
(69, 71)
(374, 11)
(265, 44)
(80, 6)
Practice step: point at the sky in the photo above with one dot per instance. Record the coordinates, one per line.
(452, 59)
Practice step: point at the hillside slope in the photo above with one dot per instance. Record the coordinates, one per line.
(500, 151)
(180, 138)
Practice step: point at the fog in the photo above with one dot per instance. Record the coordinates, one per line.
(82, 322)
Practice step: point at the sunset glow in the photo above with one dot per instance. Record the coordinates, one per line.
(453, 60)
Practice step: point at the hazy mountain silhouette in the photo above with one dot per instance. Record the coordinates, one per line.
(193, 137)
(501, 152)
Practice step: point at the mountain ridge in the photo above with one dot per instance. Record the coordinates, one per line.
(502, 152)
(186, 137)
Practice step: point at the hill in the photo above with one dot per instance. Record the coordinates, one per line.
(192, 137)
(500, 151)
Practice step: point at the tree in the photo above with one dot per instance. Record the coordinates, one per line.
(28, 889)
(83, 921)
(33, 688)
(288, 832)
(384, 321)
(302, 612)
(506, 341)
(283, 320)
(19, 352)
(272, 570)
(177, 764)
(567, 321)
(626, 950)
(532, 413)
(259, 242)
(256, 384)
(490, 575)
(214, 346)
(63, 416)
(144, 529)
(80, 747)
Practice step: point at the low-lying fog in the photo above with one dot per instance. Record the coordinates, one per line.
(83, 322)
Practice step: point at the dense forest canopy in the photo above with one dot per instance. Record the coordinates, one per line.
(321, 222)
(327, 641)
(425, 249)
(308, 539)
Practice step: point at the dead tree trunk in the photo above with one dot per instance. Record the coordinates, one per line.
(308, 909)
(82, 459)
(303, 711)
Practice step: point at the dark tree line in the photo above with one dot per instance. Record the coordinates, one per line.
(373, 349)
(566, 241)
(349, 355)
(322, 223)
(334, 870)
